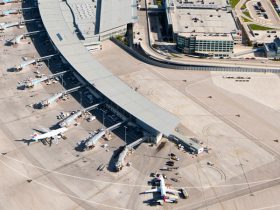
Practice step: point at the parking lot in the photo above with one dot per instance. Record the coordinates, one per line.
(263, 12)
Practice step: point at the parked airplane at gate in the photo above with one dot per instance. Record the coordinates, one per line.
(51, 135)
(9, 1)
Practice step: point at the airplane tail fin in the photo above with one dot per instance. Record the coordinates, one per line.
(34, 134)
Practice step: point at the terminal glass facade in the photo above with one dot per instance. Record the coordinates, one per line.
(205, 47)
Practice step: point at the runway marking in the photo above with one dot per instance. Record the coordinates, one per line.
(267, 207)
(58, 191)
(136, 185)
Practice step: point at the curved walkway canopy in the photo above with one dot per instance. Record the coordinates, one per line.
(102, 79)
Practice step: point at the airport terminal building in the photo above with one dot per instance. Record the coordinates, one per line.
(272, 50)
(205, 45)
(98, 20)
(205, 28)
(119, 97)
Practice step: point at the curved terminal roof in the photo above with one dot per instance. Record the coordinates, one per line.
(103, 80)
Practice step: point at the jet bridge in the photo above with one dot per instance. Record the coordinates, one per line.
(9, 1)
(17, 39)
(10, 11)
(71, 120)
(30, 83)
(56, 97)
(14, 11)
(126, 151)
(33, 61)
(93, 139)
(4, 26)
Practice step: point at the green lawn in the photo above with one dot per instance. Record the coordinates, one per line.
(247, 14)
(246, 20)
(233, 3)
(255, 27)
(244, 5)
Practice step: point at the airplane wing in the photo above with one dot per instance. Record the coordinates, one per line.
(42, 130)
(152, 190)
(45, 130)
(172, 191)
(169, 200)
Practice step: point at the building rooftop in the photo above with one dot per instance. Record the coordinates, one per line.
(116, 14)
(202, 21)
(102, 79)
(80, 16)
(200, 3)
(213, 37)
(88, 18)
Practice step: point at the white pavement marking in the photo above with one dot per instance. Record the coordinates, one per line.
(135, 185)
(58, 191)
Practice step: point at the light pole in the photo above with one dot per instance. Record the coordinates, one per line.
(103, 118)
(62, 80)
(125, 134)
(81, 97)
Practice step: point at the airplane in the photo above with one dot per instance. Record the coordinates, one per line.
(9, 1)
(49, 134)
(93, 139)
(4, 26)
(8, 12)
(164, 191)
(15, 40)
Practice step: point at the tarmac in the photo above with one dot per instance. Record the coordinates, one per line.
(235, 119)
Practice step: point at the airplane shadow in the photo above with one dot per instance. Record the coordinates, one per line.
(80, 147)
(37, 106)
(11, 69)
(8, 44)
(20, 87)
(113, 160)
(26, 141)
(29, 141)
(39, 131)
(55, 126)
(153, 201)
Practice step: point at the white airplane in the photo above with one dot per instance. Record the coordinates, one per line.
(51, 134)
(9, 12)
(16, 40)
(4, 26)
(9, 1)
(164, 191)
(93, 139)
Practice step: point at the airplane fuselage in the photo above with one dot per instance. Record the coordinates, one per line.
(94, 139)
(162, 186)
(50, 134)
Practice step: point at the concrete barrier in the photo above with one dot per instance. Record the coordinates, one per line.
(170, 65)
